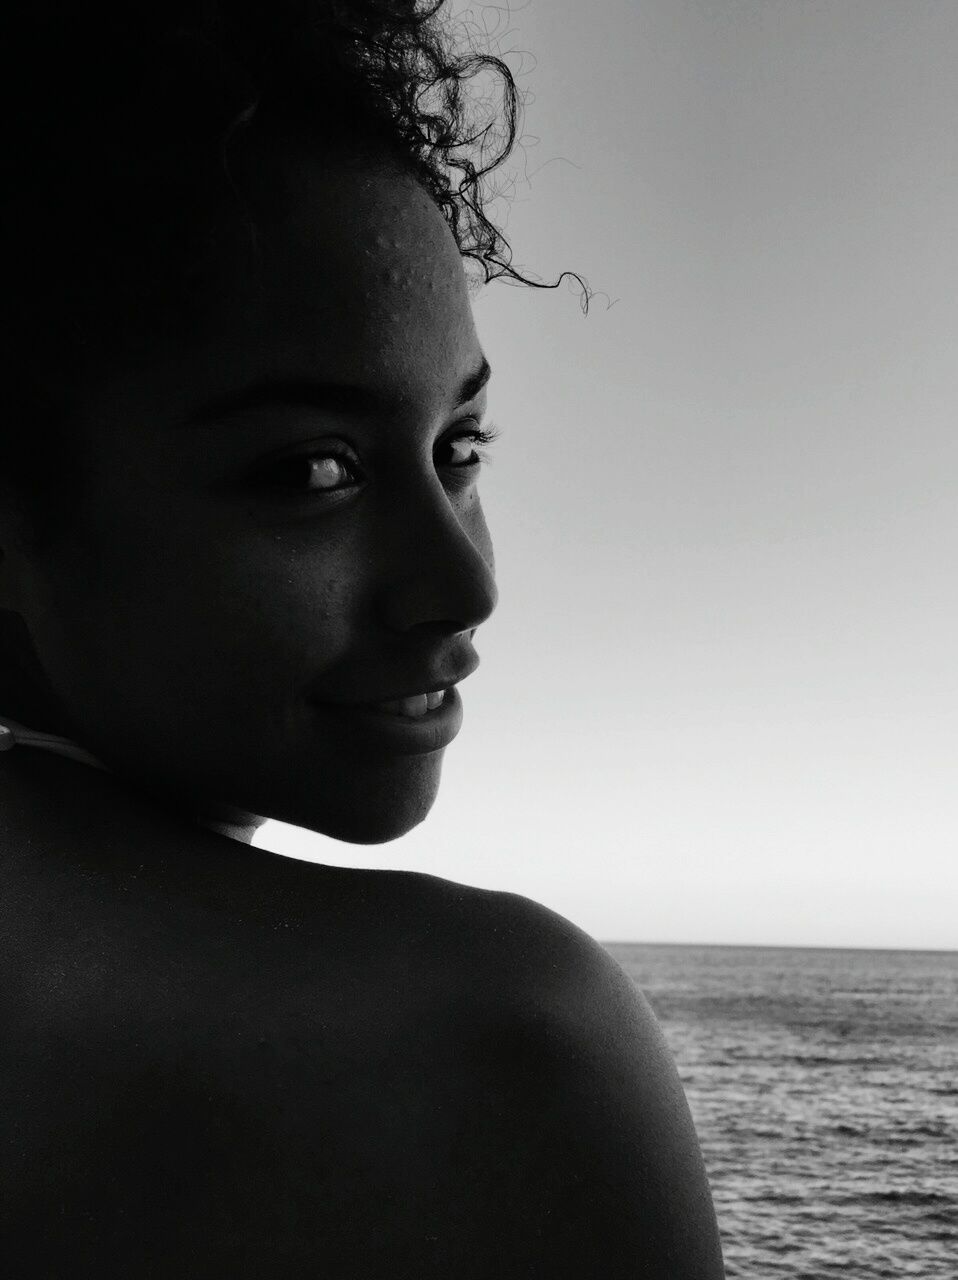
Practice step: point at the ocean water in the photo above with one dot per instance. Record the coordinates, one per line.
(824, 1087)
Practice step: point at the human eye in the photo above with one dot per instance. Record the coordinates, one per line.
(464, 448)
(322, 470)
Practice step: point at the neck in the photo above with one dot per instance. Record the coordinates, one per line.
(26, 697)
(224, 820)
(53, 802)
(25, 692)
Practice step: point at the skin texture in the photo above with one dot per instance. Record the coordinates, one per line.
(218, 1061)
(222, 1062)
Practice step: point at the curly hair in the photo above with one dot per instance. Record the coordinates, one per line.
(120, 181)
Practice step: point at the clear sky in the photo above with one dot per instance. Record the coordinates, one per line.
(719, 698)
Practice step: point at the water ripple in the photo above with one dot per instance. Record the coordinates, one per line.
(823, 1086)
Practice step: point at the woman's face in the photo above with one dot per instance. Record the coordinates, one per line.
(281, 529)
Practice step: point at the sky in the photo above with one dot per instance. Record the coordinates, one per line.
(718, 701)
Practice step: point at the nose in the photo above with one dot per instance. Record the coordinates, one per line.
(442, 572)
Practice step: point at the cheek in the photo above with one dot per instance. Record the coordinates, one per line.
(488, 554)
(203, 614)
(474, 522)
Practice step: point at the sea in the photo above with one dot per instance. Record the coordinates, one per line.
(824, 1089)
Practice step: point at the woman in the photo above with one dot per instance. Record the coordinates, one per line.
(243, 565)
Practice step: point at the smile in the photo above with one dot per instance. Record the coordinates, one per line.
(415, 725)
(415, 706)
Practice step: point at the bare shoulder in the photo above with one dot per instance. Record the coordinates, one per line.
(600, 1124)
(430, 1080)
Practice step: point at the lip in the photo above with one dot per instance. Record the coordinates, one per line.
(404, 735)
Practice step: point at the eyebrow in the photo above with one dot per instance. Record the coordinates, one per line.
(333, 397)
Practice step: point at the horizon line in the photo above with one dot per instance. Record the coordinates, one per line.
(776, 946)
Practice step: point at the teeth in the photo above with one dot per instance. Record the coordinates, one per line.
(415, 706)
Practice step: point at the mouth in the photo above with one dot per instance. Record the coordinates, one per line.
(414, 707)
(415, 725)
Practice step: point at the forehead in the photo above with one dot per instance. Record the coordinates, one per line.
(366, 262)
(354, 277)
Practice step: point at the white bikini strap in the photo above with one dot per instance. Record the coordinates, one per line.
(14, 734)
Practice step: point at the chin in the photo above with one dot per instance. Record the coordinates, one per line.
(371, 809)
(368, 834)
(371, 826)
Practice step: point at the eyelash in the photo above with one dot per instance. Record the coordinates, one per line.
(480, 437)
